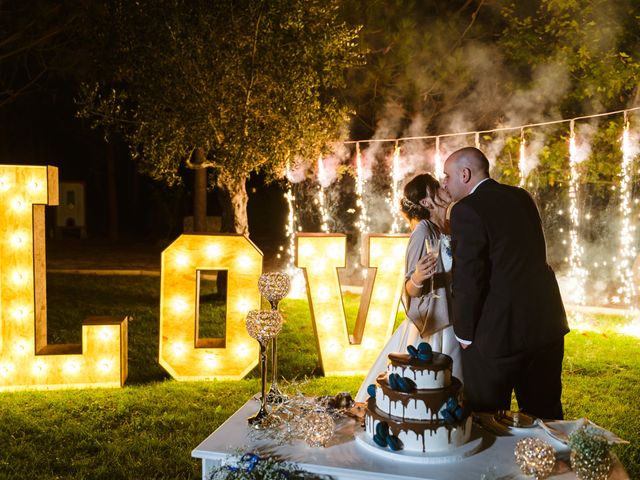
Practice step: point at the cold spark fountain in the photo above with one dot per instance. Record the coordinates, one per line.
(577, 274)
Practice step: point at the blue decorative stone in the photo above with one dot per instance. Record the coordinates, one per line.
(394, 443)
(403, 386)
(406, 384)
(452, 403)
(381, 442)
(458, 413)
(447, 416)
(371, 390)
(425, 357)
(393, 381)
(424, 347)
(382, 429)
(413, 351)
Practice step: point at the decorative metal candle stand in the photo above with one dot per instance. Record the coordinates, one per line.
(274, 286)
(263, 325)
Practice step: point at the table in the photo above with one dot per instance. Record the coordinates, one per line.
(348, 459)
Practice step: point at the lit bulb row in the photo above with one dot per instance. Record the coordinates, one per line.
(69, 368)
(184, 261)
(33, 185)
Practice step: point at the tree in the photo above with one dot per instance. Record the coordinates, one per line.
(248, 85)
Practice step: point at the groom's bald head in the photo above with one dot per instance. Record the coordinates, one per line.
(463, 170)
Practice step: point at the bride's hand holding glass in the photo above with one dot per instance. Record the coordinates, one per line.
(425, 269)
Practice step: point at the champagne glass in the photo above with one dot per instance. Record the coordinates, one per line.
(263, 325)
(432, 245)
(274, 286)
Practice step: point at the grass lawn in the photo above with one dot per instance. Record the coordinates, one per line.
(148, 428)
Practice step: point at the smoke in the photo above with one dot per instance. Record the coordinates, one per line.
(298, 171)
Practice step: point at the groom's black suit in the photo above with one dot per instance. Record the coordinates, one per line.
(506, 301)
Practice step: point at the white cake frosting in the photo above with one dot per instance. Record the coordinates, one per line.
(415, 417)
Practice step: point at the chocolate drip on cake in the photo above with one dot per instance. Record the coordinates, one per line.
(438, 363)
(434, 398)
(418, 427)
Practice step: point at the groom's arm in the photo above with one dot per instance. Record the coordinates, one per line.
(470, 270)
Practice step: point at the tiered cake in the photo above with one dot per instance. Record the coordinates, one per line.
(416, 404)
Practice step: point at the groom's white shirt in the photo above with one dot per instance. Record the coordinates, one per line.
(469, 342)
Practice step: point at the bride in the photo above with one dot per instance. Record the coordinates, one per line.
(427, 289)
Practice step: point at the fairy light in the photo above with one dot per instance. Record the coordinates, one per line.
(523, 160)
(577, 274)
(627, 252)
(394, 200)
(324, 225)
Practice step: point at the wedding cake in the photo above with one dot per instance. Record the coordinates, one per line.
(416, 405)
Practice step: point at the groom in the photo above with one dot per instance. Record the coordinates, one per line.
(507, 311)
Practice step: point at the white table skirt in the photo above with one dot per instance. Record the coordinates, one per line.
(349, 459)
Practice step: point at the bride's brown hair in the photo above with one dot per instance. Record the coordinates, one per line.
(419, 187)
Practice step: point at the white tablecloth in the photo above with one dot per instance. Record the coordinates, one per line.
(347, 458)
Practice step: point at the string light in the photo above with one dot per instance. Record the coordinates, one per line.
(477, 133)
(627, 252)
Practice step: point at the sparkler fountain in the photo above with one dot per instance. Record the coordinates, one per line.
(298, 288)
(394, 200)
(362, 224)
(324, 226)
(577, 274)
(627, 251)
(523, 159)
(438, 164)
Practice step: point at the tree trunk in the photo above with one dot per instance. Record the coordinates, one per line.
(232, 194)
(112, 192)
(233, 199)
(199, 192)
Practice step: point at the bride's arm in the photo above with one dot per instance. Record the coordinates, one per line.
(419, 267)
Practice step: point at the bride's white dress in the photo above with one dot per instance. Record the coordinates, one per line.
(443, 340)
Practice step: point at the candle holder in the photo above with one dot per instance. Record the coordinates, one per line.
(274, 286)
(263, 325)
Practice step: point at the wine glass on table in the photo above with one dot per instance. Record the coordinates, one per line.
(432, 245)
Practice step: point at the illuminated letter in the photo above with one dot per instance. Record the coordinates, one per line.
(320, 255)
(182, 353)
(26, 360)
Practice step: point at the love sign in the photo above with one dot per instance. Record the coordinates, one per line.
(27, 361)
